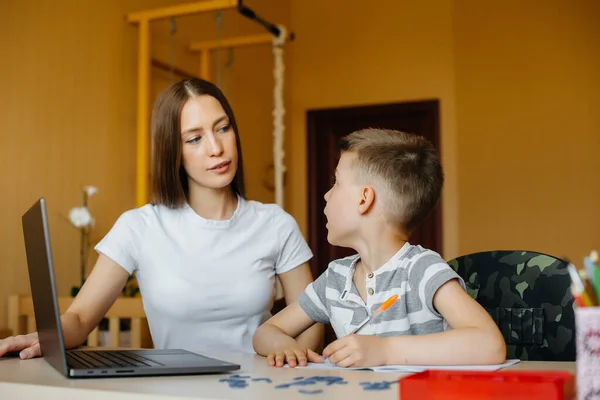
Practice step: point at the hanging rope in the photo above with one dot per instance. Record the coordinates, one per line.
(278, 113)
(227, 74)
(218, 17)
(172, 30)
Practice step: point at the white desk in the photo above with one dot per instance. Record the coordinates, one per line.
(36, 379)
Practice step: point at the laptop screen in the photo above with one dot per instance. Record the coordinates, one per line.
(43, 286)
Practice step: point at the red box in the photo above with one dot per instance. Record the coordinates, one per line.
(509, 385)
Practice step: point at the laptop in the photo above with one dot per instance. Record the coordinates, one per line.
(92, 363)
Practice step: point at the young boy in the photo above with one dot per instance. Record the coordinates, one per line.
(387, 183)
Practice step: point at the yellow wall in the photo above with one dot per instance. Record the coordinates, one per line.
(67, 115)
(68, 80)
(519, 89)
(527, 95)
(388, 51)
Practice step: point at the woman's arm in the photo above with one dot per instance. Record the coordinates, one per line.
(99, 292)
(294, 282)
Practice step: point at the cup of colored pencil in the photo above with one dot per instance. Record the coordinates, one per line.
(585, 288)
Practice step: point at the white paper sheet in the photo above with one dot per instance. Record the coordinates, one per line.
(417, 368)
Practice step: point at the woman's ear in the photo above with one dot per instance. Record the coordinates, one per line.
(367, 199)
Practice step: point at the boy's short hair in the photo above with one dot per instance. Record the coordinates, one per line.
(408, 168)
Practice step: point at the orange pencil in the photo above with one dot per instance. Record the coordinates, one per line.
(386, 304)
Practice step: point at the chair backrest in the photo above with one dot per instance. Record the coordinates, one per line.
(528, 296)
(20, 307)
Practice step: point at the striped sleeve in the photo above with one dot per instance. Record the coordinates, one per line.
(312, 300)
(429, 273)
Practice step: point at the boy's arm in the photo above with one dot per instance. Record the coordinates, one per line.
(275, 338)
(294, 283)
(473, 339)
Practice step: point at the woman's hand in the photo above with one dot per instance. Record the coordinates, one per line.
(28, 346)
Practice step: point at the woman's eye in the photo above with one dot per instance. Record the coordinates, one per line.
(194, 140)
(224, 128)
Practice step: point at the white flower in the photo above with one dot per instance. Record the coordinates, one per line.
(90, 190)
(80, 217)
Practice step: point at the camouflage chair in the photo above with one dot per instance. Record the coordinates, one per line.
(528, 296)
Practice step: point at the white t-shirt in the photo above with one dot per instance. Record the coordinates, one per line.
(206, 284)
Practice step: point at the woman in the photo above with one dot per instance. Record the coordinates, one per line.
(204, 256)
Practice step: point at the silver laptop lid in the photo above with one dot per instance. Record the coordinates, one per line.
(43, 285)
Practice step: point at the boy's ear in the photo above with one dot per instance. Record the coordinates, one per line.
(367, 199)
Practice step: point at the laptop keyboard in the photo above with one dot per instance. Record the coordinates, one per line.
(108, 359)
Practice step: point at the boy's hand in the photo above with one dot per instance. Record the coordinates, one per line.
(357, 351)
(293, 356)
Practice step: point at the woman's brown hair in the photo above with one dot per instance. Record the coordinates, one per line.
(169, 179)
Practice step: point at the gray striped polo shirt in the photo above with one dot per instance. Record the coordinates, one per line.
(413, 273)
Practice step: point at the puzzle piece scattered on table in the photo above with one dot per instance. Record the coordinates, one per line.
(382, 385)
(299, 381)
(235, 383)
(305, 391)
(267, 380)
(240, 381)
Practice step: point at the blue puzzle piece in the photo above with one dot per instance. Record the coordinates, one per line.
(327, 380)
(235, 383)
(283, 386)
(373, 386)
(304, 391)
(267, 380)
